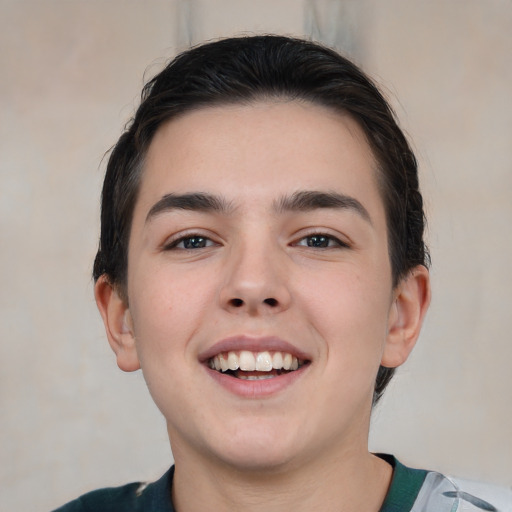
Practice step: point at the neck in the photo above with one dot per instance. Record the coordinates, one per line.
(339, 483)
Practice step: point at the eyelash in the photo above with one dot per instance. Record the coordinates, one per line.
(331, 240)
(321, 238)
(174, 244)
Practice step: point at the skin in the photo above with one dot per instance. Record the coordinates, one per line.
(257, 275)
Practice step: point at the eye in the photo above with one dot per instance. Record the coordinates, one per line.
(320, 241)
(191, 242)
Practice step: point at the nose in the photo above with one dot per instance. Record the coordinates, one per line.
(256, 280)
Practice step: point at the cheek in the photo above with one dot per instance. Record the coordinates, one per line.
(167, 310)
(348, 296)
(349, 310)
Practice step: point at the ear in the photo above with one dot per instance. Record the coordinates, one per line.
(118, 324)
(411, 301)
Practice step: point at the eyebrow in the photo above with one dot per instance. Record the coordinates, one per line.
(196, 201)
(300, 201)
(307, 200)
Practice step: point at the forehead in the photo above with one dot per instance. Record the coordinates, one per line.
(264, 148)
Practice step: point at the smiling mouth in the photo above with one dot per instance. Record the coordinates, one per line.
(249, 365)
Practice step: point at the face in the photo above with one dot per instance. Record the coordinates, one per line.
(259, 283)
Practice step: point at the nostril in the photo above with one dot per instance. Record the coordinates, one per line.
(238, 303)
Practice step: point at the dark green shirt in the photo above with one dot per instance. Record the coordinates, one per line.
(156, 497)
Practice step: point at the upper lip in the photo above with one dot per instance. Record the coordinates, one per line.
(252, 344)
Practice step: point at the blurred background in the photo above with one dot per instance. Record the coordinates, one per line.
(71, 74)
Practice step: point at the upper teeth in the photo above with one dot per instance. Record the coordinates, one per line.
(254, 361)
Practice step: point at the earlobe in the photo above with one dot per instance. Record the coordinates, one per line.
(118, 324)
(412, 298)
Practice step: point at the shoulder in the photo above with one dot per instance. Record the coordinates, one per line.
(105, 500)
(134, 497)
(441, 493)
(414, 490)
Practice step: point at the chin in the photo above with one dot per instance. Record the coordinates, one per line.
(259, 461)
(261, 449)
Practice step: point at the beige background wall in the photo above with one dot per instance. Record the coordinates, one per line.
(71, 72)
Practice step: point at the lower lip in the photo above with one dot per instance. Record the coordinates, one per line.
(256, 388)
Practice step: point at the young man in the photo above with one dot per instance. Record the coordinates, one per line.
(262, 261)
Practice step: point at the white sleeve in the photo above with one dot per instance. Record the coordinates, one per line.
(442, 494)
